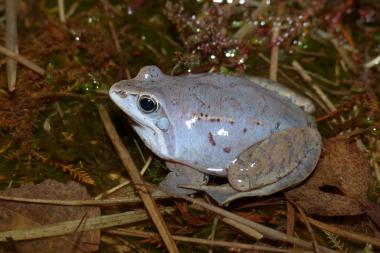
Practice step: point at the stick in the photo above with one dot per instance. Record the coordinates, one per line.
(22, 60)
(125, 183)
(266, 231)
(61, 10)
(142, 234)
(103, 202)
(137, 180)
(344, 233)
(11, 41)
(316, 88)
(243, 228)
(69, 227)
(274, 53)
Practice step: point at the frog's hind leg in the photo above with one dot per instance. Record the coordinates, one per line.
(282, 160)
(181, 174)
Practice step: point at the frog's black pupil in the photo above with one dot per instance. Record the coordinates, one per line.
(148, 104)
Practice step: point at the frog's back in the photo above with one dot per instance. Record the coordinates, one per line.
(220, 116)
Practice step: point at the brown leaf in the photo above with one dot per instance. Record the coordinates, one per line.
(339, 183)
(14, 215)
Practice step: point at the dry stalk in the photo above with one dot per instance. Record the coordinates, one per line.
(138, 181)
(344, 233)
(11, 41)
(104, 202)
(125, 183)
(266, 231)
(69, 227)
(274, 53)
(22, 60)
(61, 11)
(315, 87)
(236, 245)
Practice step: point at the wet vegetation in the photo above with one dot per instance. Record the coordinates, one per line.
(328, 50)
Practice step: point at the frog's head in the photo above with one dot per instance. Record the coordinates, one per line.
(143, 100)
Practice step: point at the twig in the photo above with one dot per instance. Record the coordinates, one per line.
(344, 233)
(215, 223)
(316, 88)
(61, 10)
(266, 231)
(111, 26)
(142, 234)
(69, 227)
(22, 60)
(139, 149)
(345, 57)
(249, 27)
(290, 219)
(72, 9)
(372, 63)
(340, 50)
(274, 53)
(103, 202)
(52, 94)
(137, 180)
(312, 74)
(243, 228)
(11, 41)
(296, 85)
(125, 183)
(308, 226)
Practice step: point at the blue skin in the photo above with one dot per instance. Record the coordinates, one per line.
(206, 123)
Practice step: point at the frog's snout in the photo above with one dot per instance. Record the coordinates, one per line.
(117, 91)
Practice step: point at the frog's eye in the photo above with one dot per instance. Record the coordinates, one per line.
(148, 104)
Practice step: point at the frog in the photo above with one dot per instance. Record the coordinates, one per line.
(230, 136)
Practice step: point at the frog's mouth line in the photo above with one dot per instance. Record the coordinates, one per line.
(134, 121)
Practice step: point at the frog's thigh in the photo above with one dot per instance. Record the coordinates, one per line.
(274, 158)
(181, 174)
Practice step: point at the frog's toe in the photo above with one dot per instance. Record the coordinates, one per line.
(181, 174)
(275, 158)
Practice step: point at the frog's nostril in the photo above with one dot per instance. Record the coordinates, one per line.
(120, 93)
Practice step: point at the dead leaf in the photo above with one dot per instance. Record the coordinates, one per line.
(339, 183)
(14, 215)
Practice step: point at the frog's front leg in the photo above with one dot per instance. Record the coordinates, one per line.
(284, 159)
(181, 174)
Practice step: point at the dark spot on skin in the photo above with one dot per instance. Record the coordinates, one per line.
(232, 122)
(206, 115)
(201, 114)
(121, 93)
(233, 85)
(244, 130)
(212, 120)
(227, 149)
(217, 120)
(277, 126)
(258, 123)
(211, 139)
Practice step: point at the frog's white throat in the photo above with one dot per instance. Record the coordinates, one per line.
(153, 138)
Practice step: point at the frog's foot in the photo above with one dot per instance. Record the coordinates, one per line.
(181, 174)
(282, 160)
